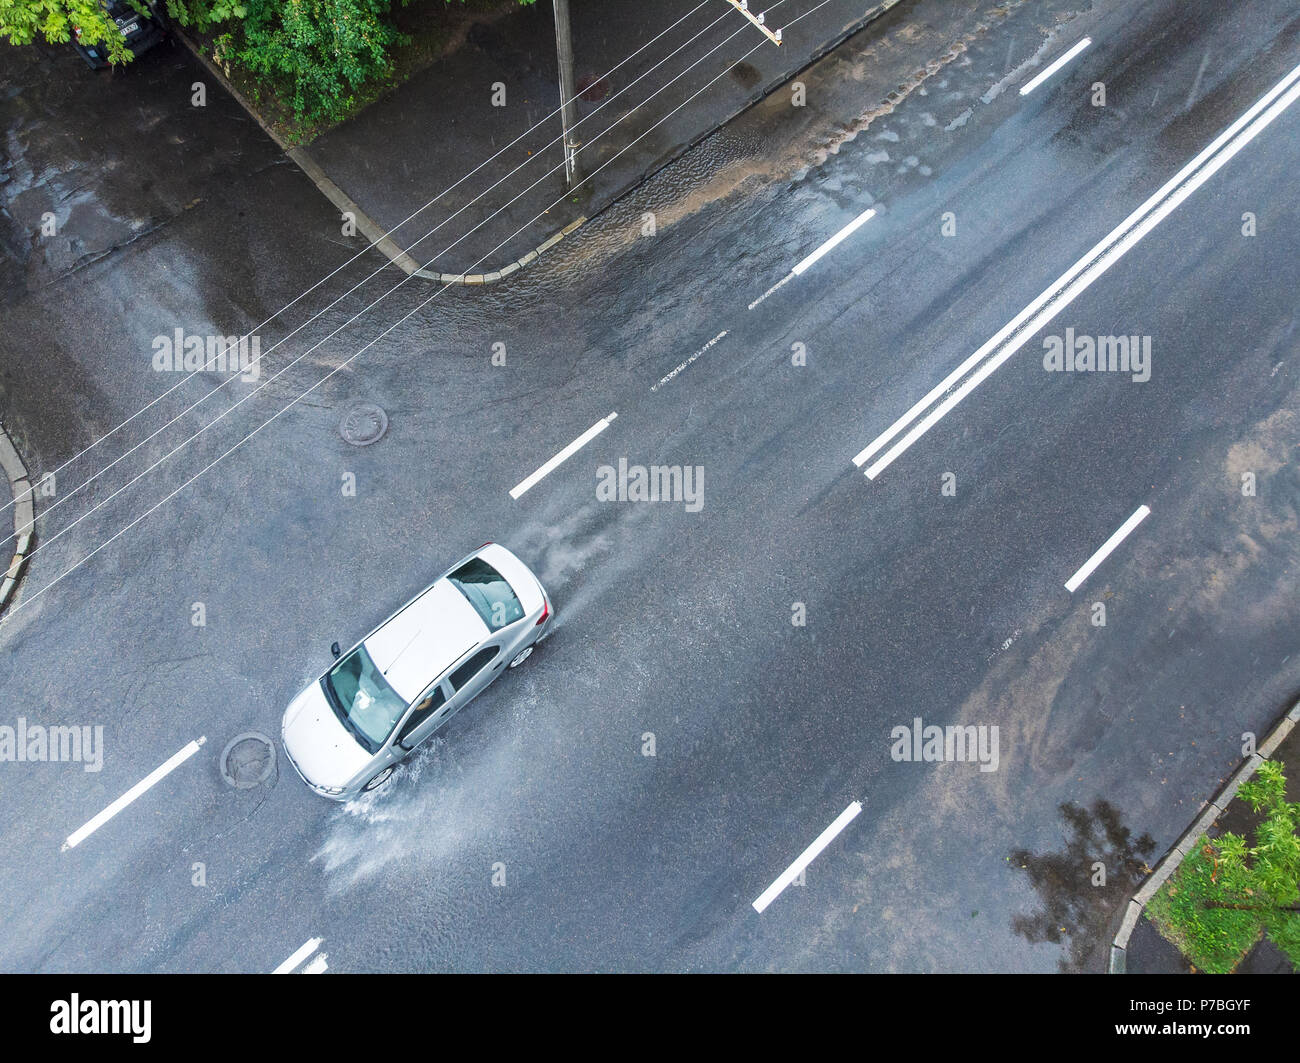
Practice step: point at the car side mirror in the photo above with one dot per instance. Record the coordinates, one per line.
(334, 649)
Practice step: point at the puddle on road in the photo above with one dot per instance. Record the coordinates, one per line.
(1075, 912)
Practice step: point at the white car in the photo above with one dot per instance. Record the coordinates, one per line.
(348, 730)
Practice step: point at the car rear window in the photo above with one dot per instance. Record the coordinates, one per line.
(488, 592)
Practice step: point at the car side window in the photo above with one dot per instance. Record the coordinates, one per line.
(430, 704)
(472, 667)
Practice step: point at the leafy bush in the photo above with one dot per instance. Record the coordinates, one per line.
(317, 51)
(1212, 939)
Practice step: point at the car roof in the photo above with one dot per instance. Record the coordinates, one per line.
(426, 638)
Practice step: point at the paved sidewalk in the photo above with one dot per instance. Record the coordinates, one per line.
(422, 139)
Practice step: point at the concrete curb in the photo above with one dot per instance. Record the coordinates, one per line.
(370, 229)
(1174, 858)
(509, 267)
(24, 516)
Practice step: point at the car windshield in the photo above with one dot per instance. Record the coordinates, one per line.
(488, 592)
(362, 698)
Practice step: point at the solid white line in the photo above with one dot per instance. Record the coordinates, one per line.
(306, 950)
(82, 833)
(1029, 87)
(1090, 566)
(835, 241)
(568, 452)
(808, 856)
(1076, 279)
(318, 965)
(688, 361)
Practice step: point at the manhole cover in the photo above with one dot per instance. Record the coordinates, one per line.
(592, 88)
(248, 760)
(363, 424)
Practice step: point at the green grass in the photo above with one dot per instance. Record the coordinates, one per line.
(1284, 932)
(1215, 940)
(1212, 939)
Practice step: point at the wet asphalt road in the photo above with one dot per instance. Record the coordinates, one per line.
(673, 623)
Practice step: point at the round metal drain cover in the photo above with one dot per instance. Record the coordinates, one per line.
(248, 760)
(363, 424)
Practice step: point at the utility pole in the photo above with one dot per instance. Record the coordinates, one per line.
(568, 113)
(760, 21)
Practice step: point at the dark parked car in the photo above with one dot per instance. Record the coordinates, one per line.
(142, 32)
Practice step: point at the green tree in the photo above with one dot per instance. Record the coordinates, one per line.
(22, 21)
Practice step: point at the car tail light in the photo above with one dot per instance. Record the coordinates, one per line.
(546, 612)
(488, 543)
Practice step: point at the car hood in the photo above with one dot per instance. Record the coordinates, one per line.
(323, 750)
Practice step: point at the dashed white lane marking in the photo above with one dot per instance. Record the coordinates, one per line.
(158, 774)
(1090, 566)
(1123, 238)
(310, 946)
(1029, 86)
(777, 286)
(834, 241)
(829, 245)
(688, 361)
(807, 856)
(564, 455)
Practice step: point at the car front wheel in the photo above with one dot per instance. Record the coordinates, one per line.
(379, 780)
